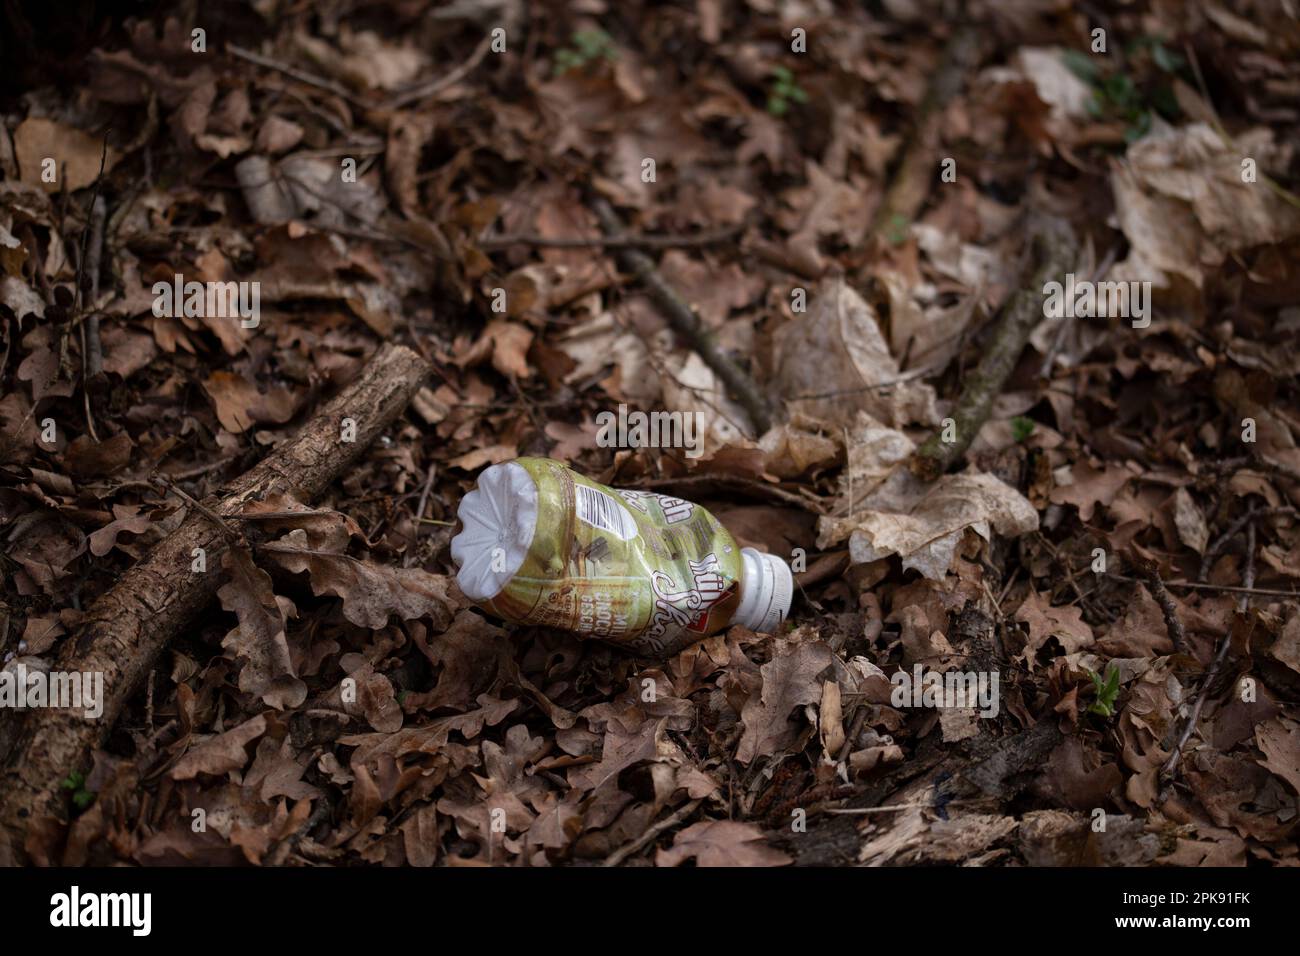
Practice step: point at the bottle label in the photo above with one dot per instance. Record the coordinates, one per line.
(646, 570)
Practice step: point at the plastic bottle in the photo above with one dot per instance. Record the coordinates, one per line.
(542, 544)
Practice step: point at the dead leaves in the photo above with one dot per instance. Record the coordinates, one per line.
(346, 674)
(835, 360)
(923, 523)
(1187, 198)
(371, 593)
(44, 146)
(721, 843)
(790, 680)
(220, 754)
(259, 642)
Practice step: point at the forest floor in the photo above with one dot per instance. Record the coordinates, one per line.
(845, 195)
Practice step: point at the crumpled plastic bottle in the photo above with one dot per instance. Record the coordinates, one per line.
(542, 544)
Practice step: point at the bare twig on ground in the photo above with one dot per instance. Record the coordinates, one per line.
(1052, 250)
(122, 635)
(645, 839)
(419, 512)
(759, 489)
(89, 258)
(429, 88)
(94, 261)
(491, 243)
(855, 728)
(909, 187)
(1220, 654)
(1222, 541)
(164, 483)
(302, 76)
(1226, 588)
(1151, 574)
(684, 320)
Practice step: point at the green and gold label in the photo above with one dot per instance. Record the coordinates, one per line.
(632, 567)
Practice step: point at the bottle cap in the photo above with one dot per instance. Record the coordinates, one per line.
(766, 590)
(499, 519)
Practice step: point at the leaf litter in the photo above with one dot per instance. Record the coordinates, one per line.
(343, 705)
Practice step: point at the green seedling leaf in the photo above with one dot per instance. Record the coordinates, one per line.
(1107, 691)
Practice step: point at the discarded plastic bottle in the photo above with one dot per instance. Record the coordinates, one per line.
(544, 545)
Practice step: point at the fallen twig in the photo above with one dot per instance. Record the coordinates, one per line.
(127, 628)
(419, 512)
(1220, 654)
(90, 257)
(910, 184)
(1227, 588)
(230, 533)
(683, 318)
(432, 87)
(302, 76)
(94, 261)
(1151, 574)
(625, 241)
(645, 839)
(1052, 250)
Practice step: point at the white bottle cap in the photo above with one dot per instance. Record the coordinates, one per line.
(499, 518)
(766, 590)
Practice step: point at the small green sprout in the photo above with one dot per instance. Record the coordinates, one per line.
(588, 47)
(896, 229)
(1022, 428)
(1117, 96)
(1107, 691)
(784, 91)
(76, 782)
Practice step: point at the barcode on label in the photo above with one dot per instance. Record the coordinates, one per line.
(601, 511)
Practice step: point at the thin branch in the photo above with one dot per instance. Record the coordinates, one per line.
(1214, 550)
(684, 320)
(419, 512)
(302, 76)
(87, 256)
(1156, 586)
(432, 87)
(220, 522)
(1220, 654)
(625, 241)
(1227, 588)
(94, 261)
(645, 839)
(909, 186)
(1052, 251)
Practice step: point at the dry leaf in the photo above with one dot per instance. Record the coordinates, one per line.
(721, 843)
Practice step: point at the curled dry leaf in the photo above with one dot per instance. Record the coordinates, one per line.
(259, 642)
(721, 843)
(1185, 205)
(790, 680)
(220, 754)
(924, 522)
(834, 360)
(1044, 622)
(76, 154)
(372, 593)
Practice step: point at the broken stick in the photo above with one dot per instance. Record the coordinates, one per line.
(686, 323)
(909, 187)
(129, 625)
(1053, 251)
